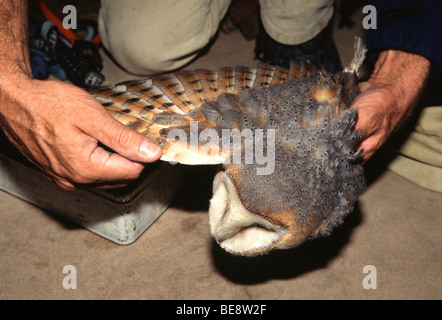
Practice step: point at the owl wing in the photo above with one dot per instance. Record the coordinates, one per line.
(179, 111)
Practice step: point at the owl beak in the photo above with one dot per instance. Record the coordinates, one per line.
(235, 228)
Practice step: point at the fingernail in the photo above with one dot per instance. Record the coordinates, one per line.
(149, 149)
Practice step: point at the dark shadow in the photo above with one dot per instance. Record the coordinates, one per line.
(346, 8)
(378, 164)
(286, 264)
(195, 190)
(63, 221)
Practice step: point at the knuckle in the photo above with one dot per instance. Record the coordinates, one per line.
(78, 172)
(123, 138)
(83, 173)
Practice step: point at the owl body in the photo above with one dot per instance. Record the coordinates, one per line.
(294, 176)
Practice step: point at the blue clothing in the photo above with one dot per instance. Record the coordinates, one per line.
(411, 25)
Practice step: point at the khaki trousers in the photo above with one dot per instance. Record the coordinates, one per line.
(419, 157)
(151, 36)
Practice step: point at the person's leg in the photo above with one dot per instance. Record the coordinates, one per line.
(294, 30)
(148, 36)
(294, 22)
(419, 156)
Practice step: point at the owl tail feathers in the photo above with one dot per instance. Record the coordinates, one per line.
(358, 58)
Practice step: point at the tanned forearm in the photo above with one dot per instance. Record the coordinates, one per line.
(406, 74)
(14, 51)
(15, 66)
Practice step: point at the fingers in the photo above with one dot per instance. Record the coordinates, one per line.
(125, 141)
(104, 169)
(375, 122)
(90, 165)
(94, 167)
(108, 167)
(90, 117)
(369, 148)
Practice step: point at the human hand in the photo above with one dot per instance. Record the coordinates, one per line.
(58, 126)
(389, 96)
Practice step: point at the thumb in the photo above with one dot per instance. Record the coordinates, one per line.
(127, 142)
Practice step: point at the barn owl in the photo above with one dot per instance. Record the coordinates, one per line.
(283, 139)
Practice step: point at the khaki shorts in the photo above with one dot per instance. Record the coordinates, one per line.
(149, 36)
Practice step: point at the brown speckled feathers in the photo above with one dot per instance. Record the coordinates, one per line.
(156, 105)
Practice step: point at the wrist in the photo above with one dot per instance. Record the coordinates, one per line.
(14, 77)
(406, 73)
(404, 76)
(14, 86)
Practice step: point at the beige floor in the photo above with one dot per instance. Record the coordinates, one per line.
(396, 228)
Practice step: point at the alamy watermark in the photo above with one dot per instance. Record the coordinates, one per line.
(70, 281)
(70, 20)
(370, 20)
(370, 280)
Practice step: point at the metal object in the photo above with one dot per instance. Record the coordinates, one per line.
(120, 215)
